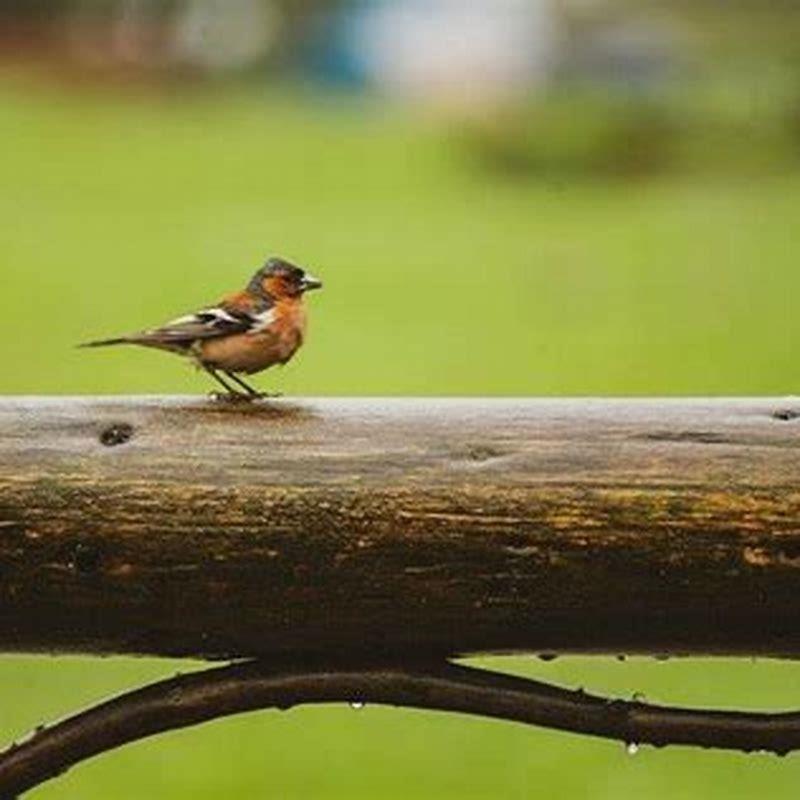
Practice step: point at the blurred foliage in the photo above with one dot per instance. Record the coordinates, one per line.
(575, 134)
(730, 29)
(726, 123)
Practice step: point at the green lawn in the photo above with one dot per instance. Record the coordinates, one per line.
(121, 209)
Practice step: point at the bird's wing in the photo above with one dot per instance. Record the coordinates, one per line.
(239, 313)
(210, 323)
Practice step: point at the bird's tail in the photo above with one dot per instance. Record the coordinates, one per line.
(106, 342)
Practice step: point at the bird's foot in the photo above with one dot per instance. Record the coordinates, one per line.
(231, 397)
(242, 397)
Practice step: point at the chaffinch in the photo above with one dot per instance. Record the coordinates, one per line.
(247, 332)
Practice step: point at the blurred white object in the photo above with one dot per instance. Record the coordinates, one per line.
(224, 34)
(213, 35)
(460, 53)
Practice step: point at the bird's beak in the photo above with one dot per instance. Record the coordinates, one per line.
(310, 282)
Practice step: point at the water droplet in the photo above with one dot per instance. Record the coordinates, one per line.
(631, 748)
(357, 705)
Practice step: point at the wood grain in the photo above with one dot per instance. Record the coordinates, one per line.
(187, 527)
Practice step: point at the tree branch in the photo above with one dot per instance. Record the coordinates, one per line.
(201, 696)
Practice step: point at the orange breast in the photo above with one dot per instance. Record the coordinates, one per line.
(256, 351)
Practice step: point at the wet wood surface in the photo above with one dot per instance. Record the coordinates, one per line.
(178, 526)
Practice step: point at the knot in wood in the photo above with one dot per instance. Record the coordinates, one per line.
(117, 433)
(86, 558)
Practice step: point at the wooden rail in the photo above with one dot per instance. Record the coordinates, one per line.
(187, 527)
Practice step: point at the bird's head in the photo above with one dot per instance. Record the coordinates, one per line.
(278, 278)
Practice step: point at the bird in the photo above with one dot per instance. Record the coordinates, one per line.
(245, 333)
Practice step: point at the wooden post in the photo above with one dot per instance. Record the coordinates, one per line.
(191, 528)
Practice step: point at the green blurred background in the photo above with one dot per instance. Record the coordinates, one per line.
(614, 214)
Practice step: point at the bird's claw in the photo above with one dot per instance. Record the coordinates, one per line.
(230, 397)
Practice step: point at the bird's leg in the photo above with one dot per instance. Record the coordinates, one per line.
(254, 393)
(230, 392)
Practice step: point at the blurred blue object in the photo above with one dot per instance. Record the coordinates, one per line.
(439, 51)
(330, 53)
